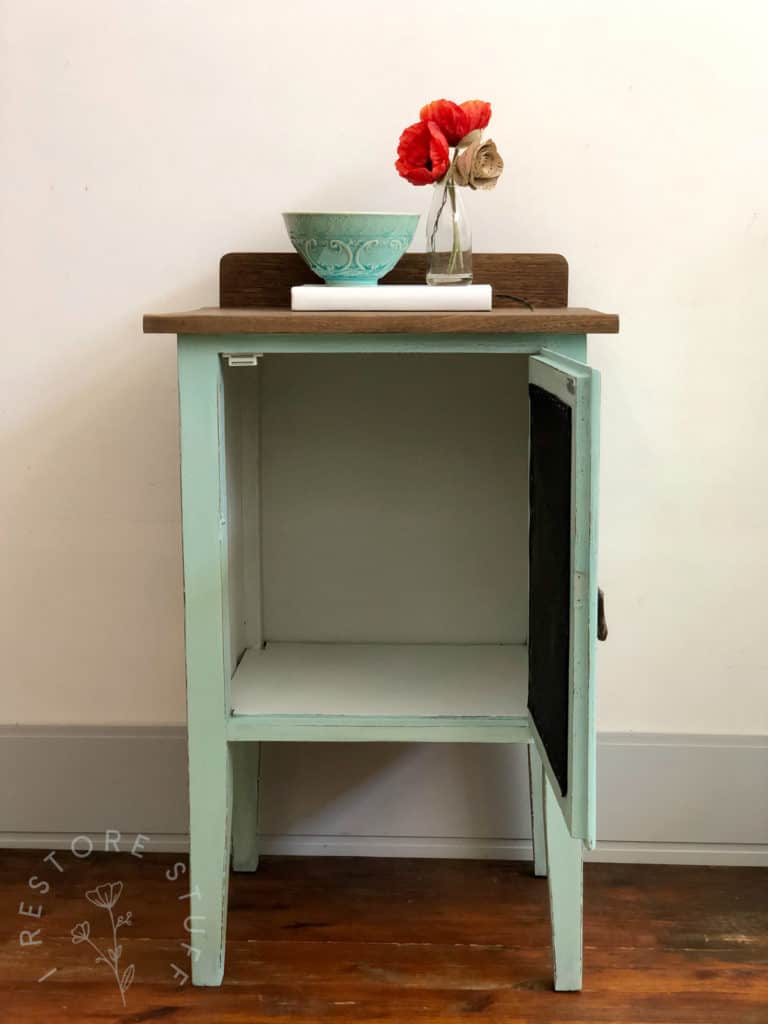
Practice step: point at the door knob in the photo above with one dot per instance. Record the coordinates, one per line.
(602, 625)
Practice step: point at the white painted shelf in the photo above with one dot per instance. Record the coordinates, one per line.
(383, 681)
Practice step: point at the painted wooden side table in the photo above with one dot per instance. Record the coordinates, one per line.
(390, 534)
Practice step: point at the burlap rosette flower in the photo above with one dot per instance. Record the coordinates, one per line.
(479, 165)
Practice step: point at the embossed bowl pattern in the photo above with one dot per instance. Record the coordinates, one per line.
(351, 248)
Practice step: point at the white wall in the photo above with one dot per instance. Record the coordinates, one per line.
(143, 140)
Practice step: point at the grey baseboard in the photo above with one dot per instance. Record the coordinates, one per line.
(662, 798)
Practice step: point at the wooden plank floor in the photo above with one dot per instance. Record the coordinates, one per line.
(392, 940)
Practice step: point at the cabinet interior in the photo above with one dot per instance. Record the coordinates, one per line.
(377, 499)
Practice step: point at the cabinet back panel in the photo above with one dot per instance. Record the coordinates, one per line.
(393, 498)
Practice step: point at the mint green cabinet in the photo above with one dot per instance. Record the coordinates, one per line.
(355, 528)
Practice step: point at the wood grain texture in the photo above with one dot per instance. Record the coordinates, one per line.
(265, 278)
(213, 320)
(358, 940)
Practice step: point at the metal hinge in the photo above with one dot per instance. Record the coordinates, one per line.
(247, 359)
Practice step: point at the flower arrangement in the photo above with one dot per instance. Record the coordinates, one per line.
(424, 158)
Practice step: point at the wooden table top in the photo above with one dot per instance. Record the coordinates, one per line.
(506, 320)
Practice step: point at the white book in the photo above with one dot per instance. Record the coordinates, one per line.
(382, 297)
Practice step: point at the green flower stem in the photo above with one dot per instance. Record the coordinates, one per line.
(456, 261)
(451, 186)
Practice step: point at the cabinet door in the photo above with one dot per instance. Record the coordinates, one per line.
(564, 399)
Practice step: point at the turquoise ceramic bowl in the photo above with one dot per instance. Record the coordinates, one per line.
(351, 248)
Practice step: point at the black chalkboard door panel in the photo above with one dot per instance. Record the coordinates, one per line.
(564, 398)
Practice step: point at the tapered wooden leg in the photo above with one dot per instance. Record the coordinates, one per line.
(536, 776)
(209, 854)
(204, 528)
(564, 859)
(246, 759)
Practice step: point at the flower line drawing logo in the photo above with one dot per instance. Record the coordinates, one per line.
(106, 897)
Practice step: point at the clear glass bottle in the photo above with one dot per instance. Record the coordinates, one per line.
(449, 237)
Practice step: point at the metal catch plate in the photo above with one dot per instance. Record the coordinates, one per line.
(247, 359)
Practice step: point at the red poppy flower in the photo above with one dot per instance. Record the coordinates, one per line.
(449, 118)
(478, 114)
(422, 153)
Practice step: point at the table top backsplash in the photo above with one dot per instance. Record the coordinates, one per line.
(255, 295)
(264, 279)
